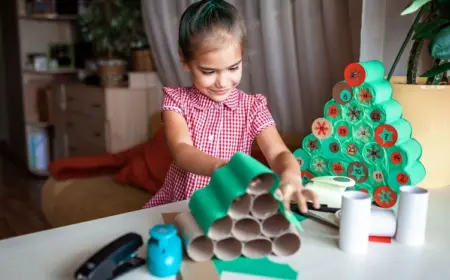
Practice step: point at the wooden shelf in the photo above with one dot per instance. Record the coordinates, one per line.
(60, 71)
(49, 17)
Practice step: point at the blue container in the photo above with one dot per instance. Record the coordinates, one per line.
(164, 251)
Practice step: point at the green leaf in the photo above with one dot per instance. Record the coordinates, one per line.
(428, 29)
(414, 6)
(440, 45)
(437, 70)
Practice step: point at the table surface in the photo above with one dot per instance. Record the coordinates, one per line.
(55, 254)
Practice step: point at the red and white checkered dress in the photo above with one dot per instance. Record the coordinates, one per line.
(219, 129)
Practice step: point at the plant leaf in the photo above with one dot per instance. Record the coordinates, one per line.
(437, 70)
(440, 45)
(414, 6)
(428, 29)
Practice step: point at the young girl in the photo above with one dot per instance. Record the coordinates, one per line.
(208, 122)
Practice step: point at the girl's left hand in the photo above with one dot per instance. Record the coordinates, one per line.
(291, 189)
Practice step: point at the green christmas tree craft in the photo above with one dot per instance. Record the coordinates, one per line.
(363, 135)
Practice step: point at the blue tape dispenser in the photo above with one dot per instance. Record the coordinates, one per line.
(164, 251)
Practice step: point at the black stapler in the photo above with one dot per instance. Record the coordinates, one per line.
(113, 260)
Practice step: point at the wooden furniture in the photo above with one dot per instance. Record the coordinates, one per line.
(92, 120)
(319, 257)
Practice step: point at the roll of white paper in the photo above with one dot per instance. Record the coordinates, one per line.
(355, 222)
(198, 247)
(383, 222)
(412, 216)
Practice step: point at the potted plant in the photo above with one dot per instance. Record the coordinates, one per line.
(112, 26)
(425, 99)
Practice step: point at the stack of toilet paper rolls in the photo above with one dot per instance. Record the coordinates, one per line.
(253, 228)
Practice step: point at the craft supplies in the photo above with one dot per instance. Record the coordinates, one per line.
(164, 252)
(412, 216)
(355, 222)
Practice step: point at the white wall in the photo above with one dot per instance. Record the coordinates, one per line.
(383, 32)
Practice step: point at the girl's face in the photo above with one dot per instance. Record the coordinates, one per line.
(215, 73)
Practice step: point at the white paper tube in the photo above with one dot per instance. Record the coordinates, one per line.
(257, 248)
(287, 244)
(228, 249)
(261, 184)
(221, 228)
(355, 222)
(412, 215)
(246, 229)
(275, 225)
(198, 246)
(240, 207)
(263, 206)
(383, 222)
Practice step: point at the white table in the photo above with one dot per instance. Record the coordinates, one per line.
(56, 253)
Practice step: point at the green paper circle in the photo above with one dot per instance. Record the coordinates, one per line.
(309, 139)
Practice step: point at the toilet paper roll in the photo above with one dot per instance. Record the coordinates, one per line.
(228, 249)
(240, 207)
(374, 154)
(378, 175)
(321, 128)
(306, 176)
(286, 244)
(355, 222)
(343, 130)
(396, 133)
(358, 171)
(338, 167)
(263, 206)
(383, 222)
(221, 228)
(386, 112)
(318, 165)
(410, 175)
(412, 216)
(374, 92)
(198, 246)
(303, 158)
(275, 225)
(332, 111)
(331, 148)
(311, 144)
(246, 229)
(405, 154)
(357, 73)
(342, 93)
(257, 248)
(362, 132)
(352, 150)
(385, 197)
(260, 184)
(353, 112)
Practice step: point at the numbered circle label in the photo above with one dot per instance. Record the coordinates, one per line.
(378, 176)
(385, 197)
(358, 171)
(396, 158)
(386, 135)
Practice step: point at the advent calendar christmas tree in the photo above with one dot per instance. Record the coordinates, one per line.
(363, 135)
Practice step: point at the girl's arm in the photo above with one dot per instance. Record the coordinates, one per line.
(283, 162)
(185, 155)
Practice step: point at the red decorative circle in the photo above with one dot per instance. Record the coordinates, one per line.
(364, 190)
(354, 74)
(385, 197)
(342, 130)
(386, 135)
(402, 178)
(396, 158)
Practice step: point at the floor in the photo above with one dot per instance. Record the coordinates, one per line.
(20, 211)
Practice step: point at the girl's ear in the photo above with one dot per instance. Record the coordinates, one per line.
(183, 61)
